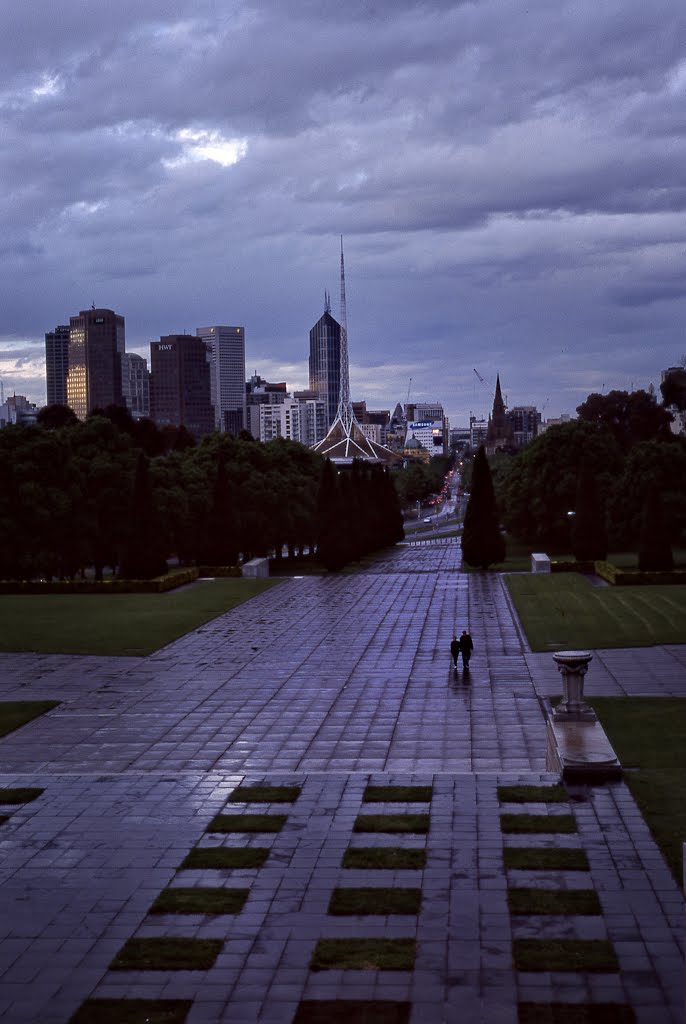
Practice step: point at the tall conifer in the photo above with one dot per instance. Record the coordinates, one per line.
(482, 541)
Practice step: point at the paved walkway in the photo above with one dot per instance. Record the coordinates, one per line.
(142, 753)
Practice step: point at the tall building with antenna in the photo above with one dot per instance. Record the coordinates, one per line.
(325, 361)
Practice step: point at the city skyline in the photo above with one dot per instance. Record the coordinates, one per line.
(509, 182)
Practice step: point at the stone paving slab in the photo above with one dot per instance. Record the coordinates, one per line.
(142, 753)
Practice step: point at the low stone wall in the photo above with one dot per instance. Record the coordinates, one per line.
(256, 568)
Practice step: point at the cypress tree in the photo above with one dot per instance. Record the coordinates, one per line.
(143, 557)
(589, 536)
(655, 551)
(482, 541)
(329, 548)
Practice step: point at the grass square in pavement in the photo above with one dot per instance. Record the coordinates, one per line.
(533, 858)
(247, 823)
(352, 1011)
(594, 955)
(647, 733)
(167, 954)
(132, 1011)
(265, 794)
(116, 624)
(537, 823)
(553, 901)
(200, 900)
(364, 954)
(397, 794)
(19, 795)
(532, 794)
(4, 818)
(375, 901)
(401, 823)
(396, 858)
(15, 713)
(564, 611)
(575, 1013)
(225, 857)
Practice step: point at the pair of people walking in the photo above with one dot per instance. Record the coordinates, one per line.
(464, 646)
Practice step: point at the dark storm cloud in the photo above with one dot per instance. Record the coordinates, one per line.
(509, 178)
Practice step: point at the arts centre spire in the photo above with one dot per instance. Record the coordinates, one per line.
(345, 440)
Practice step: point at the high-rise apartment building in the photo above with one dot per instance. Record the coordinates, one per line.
(96, 345)
(57, 364)
(180, 384)
(313, 424)
(325, 362)
(135, 384)
(525, 421)
(226, 356)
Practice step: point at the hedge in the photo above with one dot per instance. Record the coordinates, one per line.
(158, 585)
(621, 577)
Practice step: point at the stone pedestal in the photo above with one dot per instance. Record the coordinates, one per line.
(257, 568)
(573, 666)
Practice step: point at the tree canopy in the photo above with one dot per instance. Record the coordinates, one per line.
(630, 416)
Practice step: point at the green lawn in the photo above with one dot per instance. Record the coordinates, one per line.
(15, 713)
(647, 734)
(563, 611)
(118, 624)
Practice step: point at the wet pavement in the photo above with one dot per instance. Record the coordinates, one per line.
(329, 684)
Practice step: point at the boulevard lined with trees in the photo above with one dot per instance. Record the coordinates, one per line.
(115, 493)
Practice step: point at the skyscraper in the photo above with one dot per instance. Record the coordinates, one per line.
(96, 345)
(57, 364)
(135, 384)
(226, 356)
(325, 362)
(180, 384)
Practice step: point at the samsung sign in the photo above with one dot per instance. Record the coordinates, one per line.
(416, 426)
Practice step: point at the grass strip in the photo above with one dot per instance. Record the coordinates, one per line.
(247, 823)
(397, 794)
(534, 859)
(4, 818)
(593, 955)
(647, 734)
(532, 794)
(389, 857)
(221, 857)
(364, 954)
(265, 794)
(117, 624)
(199, 900)
(19, 795)
(553, 901)
(167, 954)
(563, 610)
(575, 1013)
(375, 901)
(401, 823)
(537, 823)
(132, 1011)
(15, 713)
(352, 1011)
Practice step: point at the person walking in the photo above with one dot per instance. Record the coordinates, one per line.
(466, 647)
(455, 650)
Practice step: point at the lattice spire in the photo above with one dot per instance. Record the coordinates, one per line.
(345, 406)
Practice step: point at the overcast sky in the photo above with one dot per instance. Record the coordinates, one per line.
(509, 176)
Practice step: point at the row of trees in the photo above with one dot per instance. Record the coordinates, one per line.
(613, 479)
(89, 494)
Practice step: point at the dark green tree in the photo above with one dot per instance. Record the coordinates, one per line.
(655, 552)
(482, 542)
(589, 535)
(52, 417)
(331, 550)
(673, 388)
(631, 417)
(143, 556)
(540, 487)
